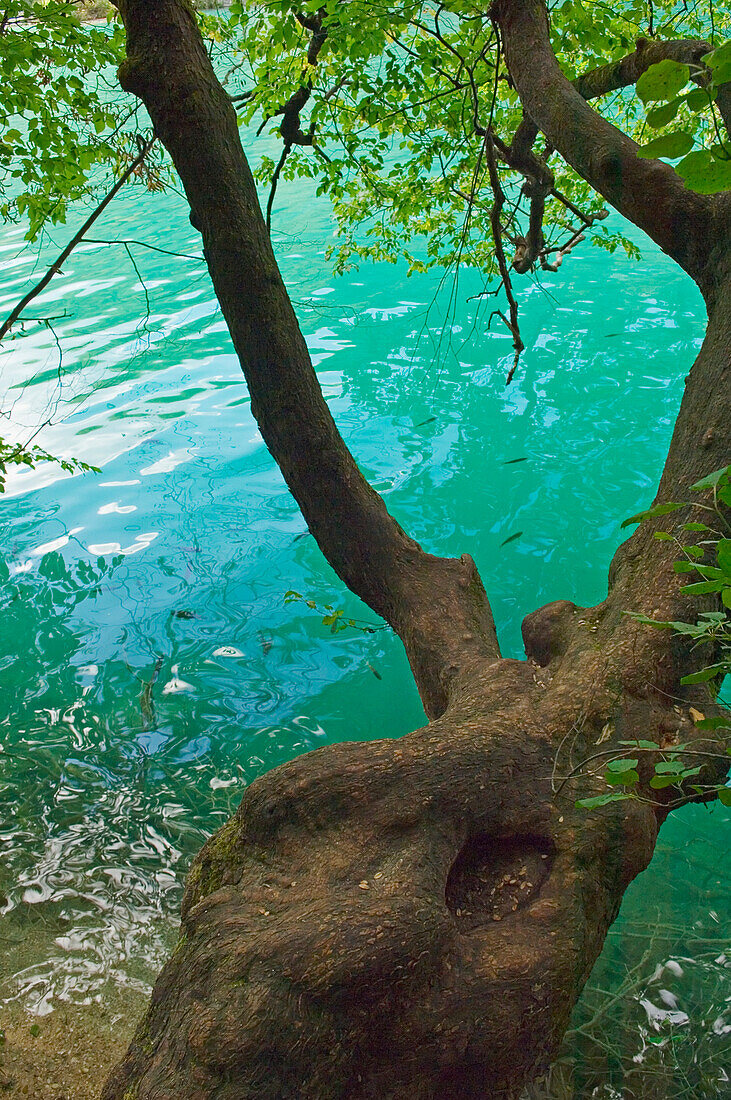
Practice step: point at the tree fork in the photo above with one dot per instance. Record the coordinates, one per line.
(687, 226)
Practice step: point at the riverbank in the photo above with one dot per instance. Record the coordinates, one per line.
(68, 1054)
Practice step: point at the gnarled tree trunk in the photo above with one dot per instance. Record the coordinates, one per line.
(416, 918)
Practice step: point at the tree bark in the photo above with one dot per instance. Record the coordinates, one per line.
(416, 918)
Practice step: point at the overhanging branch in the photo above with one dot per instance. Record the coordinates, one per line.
(40, 286)
(626, 71)
(436, 605)
(647, 192)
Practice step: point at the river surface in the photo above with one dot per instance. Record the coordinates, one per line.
(150, 666)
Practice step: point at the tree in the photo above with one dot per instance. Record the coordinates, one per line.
(417, 917)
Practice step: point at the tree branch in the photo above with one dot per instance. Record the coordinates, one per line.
(58, 263)
(647, 192)
(627, 70)
(622, 73)
(497, 234)
(436, 605)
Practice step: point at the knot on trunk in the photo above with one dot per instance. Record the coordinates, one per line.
(547, 631)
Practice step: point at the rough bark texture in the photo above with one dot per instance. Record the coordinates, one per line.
(416, 918)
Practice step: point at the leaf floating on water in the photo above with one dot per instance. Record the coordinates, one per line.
(227, 651)
(511, 538)
(183, 614)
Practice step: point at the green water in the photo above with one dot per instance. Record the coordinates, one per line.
(169, 570)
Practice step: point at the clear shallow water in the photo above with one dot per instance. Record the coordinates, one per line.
(150, 667)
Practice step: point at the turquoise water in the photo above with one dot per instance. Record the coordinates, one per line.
(150, 665)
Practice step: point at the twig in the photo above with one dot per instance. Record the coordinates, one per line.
(140, 244)
(497, 232)
(275, 180)
(79, 236)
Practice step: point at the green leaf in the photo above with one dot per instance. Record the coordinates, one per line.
(716, 723)
(662, 81)
(720, 56)
(601, 800)
(621, 765)
(623, 779)
(723, 553)
(705, 174)
(650, 513)
(659, 781)
(711, 480)
(696, 100)
(724, 796)
(640, 744)
(657, 623)
(694, 527)
(702, 588)
(709, 673)
(669, 767)
(722, 74)
(672, 146)
(661, 116)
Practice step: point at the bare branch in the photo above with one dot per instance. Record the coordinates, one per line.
(497, 233)
(76, 239)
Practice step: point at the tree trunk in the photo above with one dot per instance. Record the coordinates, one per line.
(411, 918)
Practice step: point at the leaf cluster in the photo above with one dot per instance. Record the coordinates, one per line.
(61, 117)
(689, 121)
(401, 93)
(14, 454)
(333, 617)
(709, 557)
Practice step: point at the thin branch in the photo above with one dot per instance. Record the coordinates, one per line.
(275, 180)
(79, 236)
(647, 192)
(141, 244)
(497, 233)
